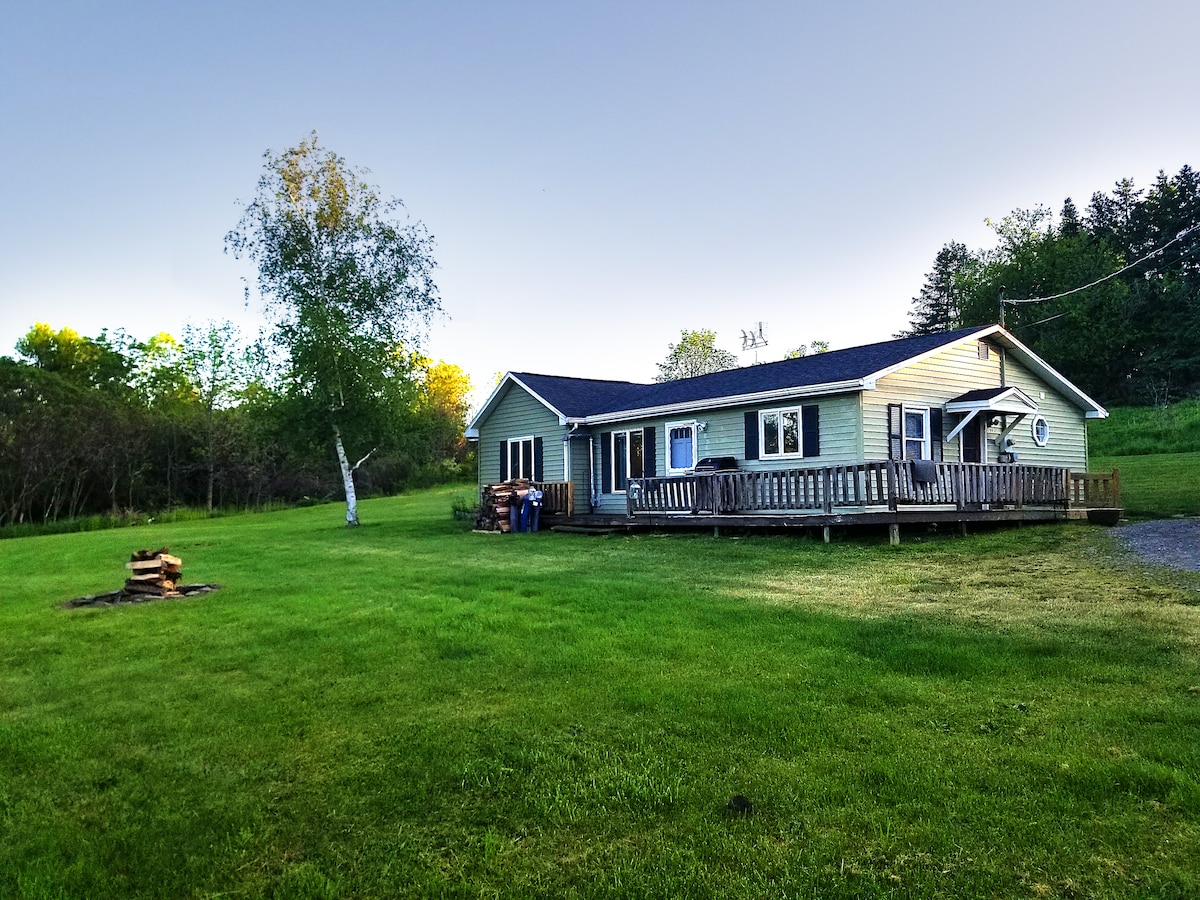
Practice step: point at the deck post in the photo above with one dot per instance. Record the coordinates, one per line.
(894, 534)
(891, 484)
(826, 533)
(827, 487)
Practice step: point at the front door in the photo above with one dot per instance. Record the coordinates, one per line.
(974, 438)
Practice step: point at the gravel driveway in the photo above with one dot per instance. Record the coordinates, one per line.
(1164, 542)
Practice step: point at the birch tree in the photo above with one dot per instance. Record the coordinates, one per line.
(347, 282)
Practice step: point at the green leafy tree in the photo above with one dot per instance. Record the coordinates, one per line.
(348, 285)
(215, 360)
(695, 354)
(803, 350)
(1111, 297)
(102, 362)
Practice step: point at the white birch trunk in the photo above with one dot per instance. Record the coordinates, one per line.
(347, 479)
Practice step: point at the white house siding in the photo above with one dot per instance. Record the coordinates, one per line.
(519, 415)
(954, 371)
(723, 434)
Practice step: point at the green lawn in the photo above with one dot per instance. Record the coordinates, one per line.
(411, 709)
(1164, 484)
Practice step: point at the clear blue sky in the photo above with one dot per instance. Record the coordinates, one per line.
(598, 176)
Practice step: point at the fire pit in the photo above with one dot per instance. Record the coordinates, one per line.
(153, 575)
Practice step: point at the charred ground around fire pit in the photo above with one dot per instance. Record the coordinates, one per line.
(123, 597)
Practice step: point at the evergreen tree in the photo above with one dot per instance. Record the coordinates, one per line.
(938, 307)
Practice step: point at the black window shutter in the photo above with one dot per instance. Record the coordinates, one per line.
(606, 462)
(504, 460)
(810, 428)
(752, 434)
(935, 438)
(537, 459)
(895, 434)
(649, 452)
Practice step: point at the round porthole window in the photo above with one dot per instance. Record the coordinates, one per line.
(1041, 431)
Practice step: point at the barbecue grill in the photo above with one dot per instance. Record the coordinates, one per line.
(711, 464)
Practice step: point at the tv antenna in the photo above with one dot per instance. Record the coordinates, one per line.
(753, 339)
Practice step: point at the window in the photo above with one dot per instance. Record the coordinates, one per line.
(681, 447)
(1041, 431)
(792, 431)
(628, 458)
(519, 459)
(625, 455)
(916, 433)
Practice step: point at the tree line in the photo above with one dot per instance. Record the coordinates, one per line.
(1132, 335)
(111, 425)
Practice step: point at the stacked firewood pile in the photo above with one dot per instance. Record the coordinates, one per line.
(154, 572)
(496, 501)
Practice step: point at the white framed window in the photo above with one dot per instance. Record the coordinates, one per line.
(1041, 430)
(681, 447)
(520, 457)
(917, 442)
(628, 458)
(779, 433)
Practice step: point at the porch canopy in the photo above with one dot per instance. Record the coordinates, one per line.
(1003, 401)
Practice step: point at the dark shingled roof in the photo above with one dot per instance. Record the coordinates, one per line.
(576, 397)
(978, 395)
(579, 397)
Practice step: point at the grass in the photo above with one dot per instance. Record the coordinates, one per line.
(1157, 450)
(411, 709)
(1166, 484)
(1143, 430)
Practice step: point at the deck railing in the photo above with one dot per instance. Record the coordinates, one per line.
(889, 483)
(557, 497)
(1094, 490)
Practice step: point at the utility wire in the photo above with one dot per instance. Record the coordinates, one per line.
(1044, 321)
(1179, 237)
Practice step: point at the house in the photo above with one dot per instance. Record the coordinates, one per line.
(976, 397)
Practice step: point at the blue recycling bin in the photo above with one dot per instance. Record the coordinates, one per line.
(526, 509)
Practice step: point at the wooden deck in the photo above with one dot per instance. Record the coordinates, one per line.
(885, 492)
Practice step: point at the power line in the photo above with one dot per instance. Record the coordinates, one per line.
(1179, 237)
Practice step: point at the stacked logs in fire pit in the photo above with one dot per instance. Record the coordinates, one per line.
(154, 572)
